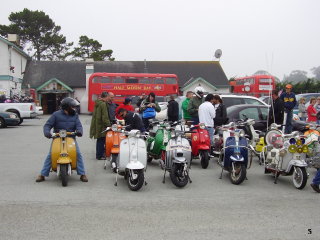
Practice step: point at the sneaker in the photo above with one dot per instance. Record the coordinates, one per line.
(40, 178)
(315, 187)
(83, 178)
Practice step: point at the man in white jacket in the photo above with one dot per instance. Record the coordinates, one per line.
(207, 113)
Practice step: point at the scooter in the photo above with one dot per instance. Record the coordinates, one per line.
(200, 144)
(312, 136)
(114, 137)
(132, 161)
(178, 158)
(234, 153)
(157, 140)
(63, 155)
(286, 156)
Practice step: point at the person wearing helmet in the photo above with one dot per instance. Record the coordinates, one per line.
(194, 103)
(289, 100)
(67, 119)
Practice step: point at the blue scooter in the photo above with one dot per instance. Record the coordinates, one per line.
(234, 153)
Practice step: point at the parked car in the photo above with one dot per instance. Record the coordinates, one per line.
(259, 113)
(23, 110)
(266, 99)
(8, 119)
(231, 100)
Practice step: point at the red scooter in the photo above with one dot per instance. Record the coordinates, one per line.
(200, 144)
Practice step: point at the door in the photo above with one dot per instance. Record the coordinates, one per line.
(51, 103)
(253, 113)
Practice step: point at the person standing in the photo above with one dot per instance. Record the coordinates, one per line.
(206, 115)
(111, 107)
(194, 103)
(99, 122)
(184, 106)
(316, 182)
(141, 98)
(126, 105)
(151, 106)
(302, 109)
(221, 111)
(289, 100)
(173, 110)
(317, 107)
(311, 111)
(276, 112)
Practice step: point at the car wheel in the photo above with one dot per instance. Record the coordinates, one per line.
(2, 123)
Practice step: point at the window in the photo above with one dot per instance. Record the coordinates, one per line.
(249, 113)
(118, 80)
(96, 80)
(228, 101)
(171, 81)
(106, 80)
(158, 81)
(131, 80)
(265, 80)
(264, 113)
(160, 99)
(145, 80)
(252, 101)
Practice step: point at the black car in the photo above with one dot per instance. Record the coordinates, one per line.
(8, 119)
(260, 114)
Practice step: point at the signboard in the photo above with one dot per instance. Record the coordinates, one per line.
(132, 87)
(265, 87)
(265, 80)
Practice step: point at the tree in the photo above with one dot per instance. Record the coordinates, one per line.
(39, 33)
(316, 72)
(296, 76)
(90, 48)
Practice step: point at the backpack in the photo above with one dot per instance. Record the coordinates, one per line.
(149, 113)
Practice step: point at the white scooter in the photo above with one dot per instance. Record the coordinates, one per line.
(132, 161)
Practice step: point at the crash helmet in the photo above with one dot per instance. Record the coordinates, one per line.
(69, 104)
(198, 91)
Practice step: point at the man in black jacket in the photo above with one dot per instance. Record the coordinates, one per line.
(278, 106)
(133, 120)
(173, 110)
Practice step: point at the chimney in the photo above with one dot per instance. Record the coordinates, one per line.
(84, 99)
(14, 38)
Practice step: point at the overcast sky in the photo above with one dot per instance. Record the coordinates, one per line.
(274, 35)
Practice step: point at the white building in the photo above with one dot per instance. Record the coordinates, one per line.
(13, 61)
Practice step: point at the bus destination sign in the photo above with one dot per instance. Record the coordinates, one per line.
(132, 87)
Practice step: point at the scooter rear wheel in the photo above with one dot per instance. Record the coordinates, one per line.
(64, 174)
(204, 159)
(137, 183)
(240, 174)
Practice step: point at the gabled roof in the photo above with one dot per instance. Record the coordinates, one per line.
(73, 73)
(198, 79)
(57, 81)
(19, 50)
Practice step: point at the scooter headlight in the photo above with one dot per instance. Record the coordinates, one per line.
(63, 133)
(114, 127)
(202, 125)
(282, 152)
(292, 148)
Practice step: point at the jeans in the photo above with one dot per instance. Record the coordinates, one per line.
(146, 123)
(288, 128)
(211, 133)
(316, 179)
(100, 147)
(47, 163)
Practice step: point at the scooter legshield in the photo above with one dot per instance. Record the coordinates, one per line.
(231, 141)
(56, 150)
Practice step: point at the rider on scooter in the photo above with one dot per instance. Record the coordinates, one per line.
(67, 119)
(133, 120)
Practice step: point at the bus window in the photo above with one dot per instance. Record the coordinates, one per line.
(118, 80)
(158, 81)
(145, 80)
(96, 80)
(106, 80)
(265, 80)
(131, 80)
(160, 99)
(171, 81)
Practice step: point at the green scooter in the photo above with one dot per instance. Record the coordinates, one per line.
(159, 136)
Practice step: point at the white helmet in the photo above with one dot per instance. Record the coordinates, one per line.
(198, 91)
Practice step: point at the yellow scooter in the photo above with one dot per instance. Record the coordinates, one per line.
(63, 155)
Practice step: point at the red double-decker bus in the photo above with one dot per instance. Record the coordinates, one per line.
(131, 85)
(257, 85)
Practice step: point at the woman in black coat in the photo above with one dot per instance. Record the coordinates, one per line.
(221, 112)
(173, 110)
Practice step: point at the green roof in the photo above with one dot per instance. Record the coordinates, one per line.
(57, 81)
(192, 80)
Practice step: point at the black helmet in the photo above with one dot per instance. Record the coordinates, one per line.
(69, 104)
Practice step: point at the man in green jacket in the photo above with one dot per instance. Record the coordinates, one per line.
(184, 106)
(194, 103)
(99, 122)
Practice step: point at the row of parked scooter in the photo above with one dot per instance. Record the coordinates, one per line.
(177, 144)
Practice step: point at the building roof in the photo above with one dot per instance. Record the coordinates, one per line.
(19, 50)
(73, 73)
(194, 80)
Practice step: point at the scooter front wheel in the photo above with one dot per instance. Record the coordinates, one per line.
(64, 174)
(178, 175)
(300, 177)
(204, 159)
(135, 179)
(239, 175)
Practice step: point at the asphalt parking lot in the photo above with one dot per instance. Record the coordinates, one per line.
(208, 208)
